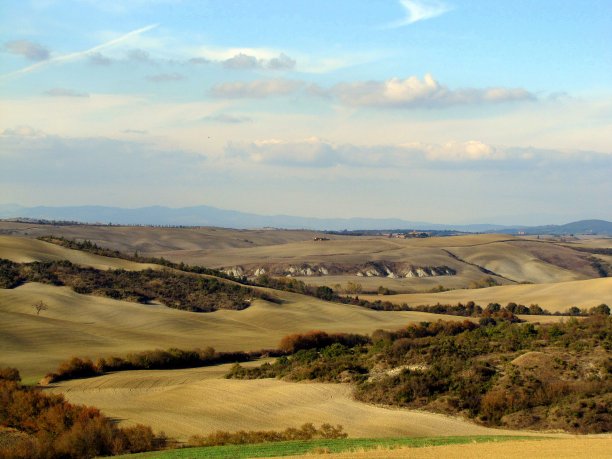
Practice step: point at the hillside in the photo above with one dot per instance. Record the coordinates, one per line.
(92, 326)
(555, 297)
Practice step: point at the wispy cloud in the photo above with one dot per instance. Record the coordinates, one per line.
(63, 92)
(165, 77)
(81, 54)
(226, 119)
(257, 88)
(27, 49)
(420, 10)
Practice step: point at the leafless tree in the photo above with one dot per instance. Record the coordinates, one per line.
(40, 306)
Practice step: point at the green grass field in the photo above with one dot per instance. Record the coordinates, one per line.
(291, 448)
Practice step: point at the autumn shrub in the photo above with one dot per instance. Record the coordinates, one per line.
(306, 432)
(50, 427)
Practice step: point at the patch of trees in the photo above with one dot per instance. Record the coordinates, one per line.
(48, 427)
(471, 369)
(306, 432)
(158, 359)
(174, 289)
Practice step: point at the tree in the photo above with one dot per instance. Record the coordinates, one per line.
(353, 287)
(603, 309)
(40, 306)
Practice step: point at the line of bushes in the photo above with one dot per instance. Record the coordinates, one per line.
(48, 427)
(306, 432)
(158, 359)
(174, 289)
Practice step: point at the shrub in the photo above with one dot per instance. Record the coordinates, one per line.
(306, 432)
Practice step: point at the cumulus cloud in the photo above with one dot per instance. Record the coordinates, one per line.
(165, 77)
(413, 92)
(22, 131)
(312, 152)
(27, 49)
(472, 154)
(471, 150)
(226, 118)
(410, 92)
(257, 88)
(282, 62)
(420, 10)
(243, 61)
(63, 92)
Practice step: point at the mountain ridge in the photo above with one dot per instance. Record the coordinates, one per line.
(204, 215)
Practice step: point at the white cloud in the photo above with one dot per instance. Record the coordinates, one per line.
(410, 92)
(420, 10)
(282, 62)
(413, 92)
(22, 131)
(471, 150)
(257, 88)
(314, 152)
(241, 61)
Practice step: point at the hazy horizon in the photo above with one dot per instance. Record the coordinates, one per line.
(511, 223)
(460, 111)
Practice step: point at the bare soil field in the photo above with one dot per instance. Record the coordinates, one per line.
(570, 448)
(199, 401)
(91, 326)
(556, 297)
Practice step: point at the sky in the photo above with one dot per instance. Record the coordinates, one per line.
(458, 111)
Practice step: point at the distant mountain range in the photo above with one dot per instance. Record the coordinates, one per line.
(212, 216)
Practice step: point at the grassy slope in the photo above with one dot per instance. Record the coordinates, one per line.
(554, 297)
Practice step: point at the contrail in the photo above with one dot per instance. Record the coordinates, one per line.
(79, 54)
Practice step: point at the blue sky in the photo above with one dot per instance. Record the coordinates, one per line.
(447, 111)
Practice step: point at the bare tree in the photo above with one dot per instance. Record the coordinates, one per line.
(40, 306)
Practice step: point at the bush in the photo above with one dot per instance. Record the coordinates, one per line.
(10, 374)
(306, 432)
(52, 428)
(317, 339)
